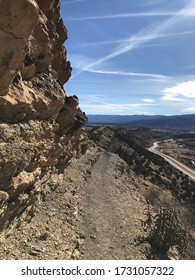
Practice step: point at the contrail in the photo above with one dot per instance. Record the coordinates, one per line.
(183, 13)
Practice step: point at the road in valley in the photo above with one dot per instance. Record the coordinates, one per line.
(186, 170)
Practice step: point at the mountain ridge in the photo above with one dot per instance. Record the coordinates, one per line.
(186, 121)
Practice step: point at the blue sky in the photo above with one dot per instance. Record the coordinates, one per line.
(131, 57)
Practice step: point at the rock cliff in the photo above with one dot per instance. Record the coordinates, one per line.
(41, 128)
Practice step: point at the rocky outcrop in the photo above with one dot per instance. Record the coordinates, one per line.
(41, 128)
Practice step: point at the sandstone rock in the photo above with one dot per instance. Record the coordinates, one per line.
(24, 179)
(17, 19)
(41, 128)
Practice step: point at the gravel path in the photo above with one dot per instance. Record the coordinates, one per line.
(112, 212)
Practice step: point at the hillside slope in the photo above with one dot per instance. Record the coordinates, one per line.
(96, 209)
(154, 168)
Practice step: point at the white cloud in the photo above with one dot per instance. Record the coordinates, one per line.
(110, 108)
(103, 107)
(190, 110)
(148, 100)
(185, 89)
(171, 97)
(182, 94)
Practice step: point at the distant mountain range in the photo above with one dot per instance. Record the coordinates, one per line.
(184, 122)
(119, 119)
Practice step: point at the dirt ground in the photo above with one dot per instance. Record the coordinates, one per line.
(92, 211)
(113, 209)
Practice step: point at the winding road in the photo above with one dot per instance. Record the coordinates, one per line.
(186, 170)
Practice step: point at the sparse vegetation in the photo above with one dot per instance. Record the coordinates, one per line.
(166, 186)
(165, 232)
(130, 147)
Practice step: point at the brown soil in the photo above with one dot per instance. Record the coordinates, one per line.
(92, 211)
(113, 209)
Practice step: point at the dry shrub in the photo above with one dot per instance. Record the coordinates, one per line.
(152, 195)
(165, 231)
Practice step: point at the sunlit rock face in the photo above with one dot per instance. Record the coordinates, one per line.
(41, 128)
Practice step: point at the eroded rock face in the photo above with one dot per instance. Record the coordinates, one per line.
(31, 43)
(41, 128)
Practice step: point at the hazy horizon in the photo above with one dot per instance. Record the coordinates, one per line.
(139, 114)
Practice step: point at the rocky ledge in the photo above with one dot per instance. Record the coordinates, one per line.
(41, 128)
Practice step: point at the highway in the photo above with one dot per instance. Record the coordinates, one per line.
(180, 166)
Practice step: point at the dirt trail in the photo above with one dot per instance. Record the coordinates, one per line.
(112, 212)
(93, 211)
